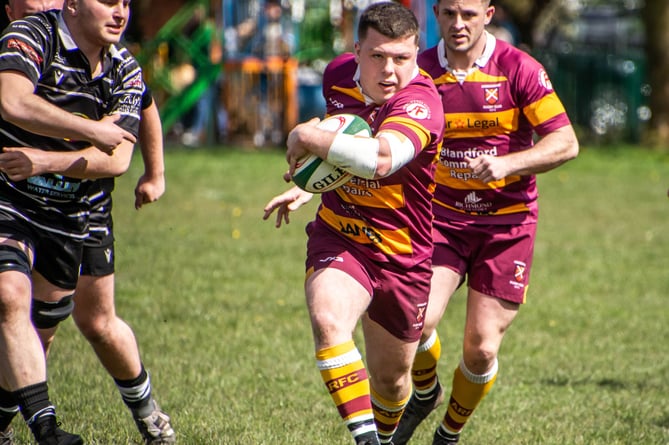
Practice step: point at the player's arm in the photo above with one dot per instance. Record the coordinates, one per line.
(90, 163)
(151, 185)
(21, 107)
(552, 150)
(367, 157)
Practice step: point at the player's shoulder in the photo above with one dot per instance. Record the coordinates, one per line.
(429, 59)
(340, 71)
(43, 25)
(121, 55)
(341, 63)
(421, 86)
(125, 63)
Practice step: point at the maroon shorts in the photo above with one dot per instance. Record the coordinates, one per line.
(495, 258)
(399, 296)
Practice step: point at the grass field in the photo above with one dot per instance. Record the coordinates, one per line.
(215, 297)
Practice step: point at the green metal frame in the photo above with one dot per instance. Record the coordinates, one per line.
(180, 102)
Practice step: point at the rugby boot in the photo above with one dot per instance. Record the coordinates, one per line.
(47, 432)
(7, 436)
(415, 412)
(156, 428)
(443, 438)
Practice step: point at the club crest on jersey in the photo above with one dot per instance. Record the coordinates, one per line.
(491, 94)
(417, 109)
(544, 81)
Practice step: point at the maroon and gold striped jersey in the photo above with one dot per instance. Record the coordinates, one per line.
(389, 219)
(495, 108)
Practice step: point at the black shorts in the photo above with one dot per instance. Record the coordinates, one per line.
(56, 257)
(98, 256)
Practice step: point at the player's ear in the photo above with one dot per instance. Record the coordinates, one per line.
(72, 6)
(8, 11)
(356, 51)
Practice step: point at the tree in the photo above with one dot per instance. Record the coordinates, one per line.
(524, 14)
(656, 17)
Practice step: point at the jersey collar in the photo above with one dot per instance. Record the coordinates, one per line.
(64, 34)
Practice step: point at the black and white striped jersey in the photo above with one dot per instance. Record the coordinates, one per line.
(42, 48)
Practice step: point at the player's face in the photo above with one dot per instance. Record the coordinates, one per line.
(101, 22)
(386, 65)
(17, 9)
(462, 22)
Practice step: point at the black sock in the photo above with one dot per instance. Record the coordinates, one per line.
(136, 393)
(8, 408)
(32, 400)
(37, 410)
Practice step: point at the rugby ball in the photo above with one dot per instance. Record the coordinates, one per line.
(314, 174)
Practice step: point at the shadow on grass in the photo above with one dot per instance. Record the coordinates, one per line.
(613, 384)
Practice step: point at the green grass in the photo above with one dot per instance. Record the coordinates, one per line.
(215, 297)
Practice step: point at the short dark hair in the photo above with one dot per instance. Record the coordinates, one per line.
(389, 19)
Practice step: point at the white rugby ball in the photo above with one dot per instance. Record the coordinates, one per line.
(316, 175)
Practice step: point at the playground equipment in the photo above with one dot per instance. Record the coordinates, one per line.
(264, 81)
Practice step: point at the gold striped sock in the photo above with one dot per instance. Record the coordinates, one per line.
(345, 377)
(387, 414)
(424, 370)
(468, 391)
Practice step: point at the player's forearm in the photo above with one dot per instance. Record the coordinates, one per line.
(91, 163)
(151, 142)
(550, 152)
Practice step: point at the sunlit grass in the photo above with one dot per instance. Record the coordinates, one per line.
(215, 297)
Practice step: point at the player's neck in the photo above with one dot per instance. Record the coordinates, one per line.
(94, 54)
(465, 60)
(91, 49)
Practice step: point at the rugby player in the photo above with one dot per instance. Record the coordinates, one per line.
(94, 312)
(369, 246)
(51, 61)
(495, 99)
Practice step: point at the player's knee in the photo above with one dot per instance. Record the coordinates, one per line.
(94, 329)
(478, 360)
(47, 315)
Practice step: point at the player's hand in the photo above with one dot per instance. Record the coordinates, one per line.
(488, 168)
(296, 143)
(106, 135)
(288, 201)
(20, 163)
(148, 190)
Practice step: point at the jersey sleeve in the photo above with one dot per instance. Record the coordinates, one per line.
(25, 46)
(127, 95)
(417, 115)
(539, 101)
(147, 97)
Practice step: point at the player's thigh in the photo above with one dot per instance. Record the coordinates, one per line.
(444, 283)
(94, 296)
(57, 261)
(45, 290)
(336, 301)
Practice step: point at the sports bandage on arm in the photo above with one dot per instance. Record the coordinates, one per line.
(355, 154)
(401, 150)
